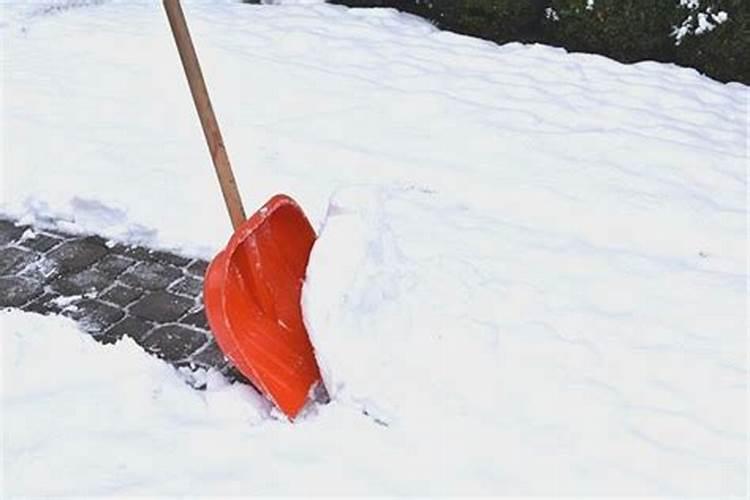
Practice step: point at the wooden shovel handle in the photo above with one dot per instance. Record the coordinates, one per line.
(205, 111)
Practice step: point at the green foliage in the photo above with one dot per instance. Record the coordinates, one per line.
(626, 30)
(724, 52)
(498, 20)
(635, 30)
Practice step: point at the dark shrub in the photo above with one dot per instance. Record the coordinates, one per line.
(635, 30)
(724, 52)
(497, 20)
(626, 30)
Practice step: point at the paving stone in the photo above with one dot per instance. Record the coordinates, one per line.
(134, 252)
(187, 286)
(197, 319)
(198, 267)
(13, 260)
(45, 304)
(210, 356)
(40, 242)
(9, 232)
(16, 290)
(161, 306)
(34, 271)
(82, 265)
(168, 258)
(81, 283)
(232, 374)
(135, 328)
(61, 234)
(122, 295)
(77, 255)
(174, 342)
(95, 239)
(113, 265)
(150, 275)
(93, 315)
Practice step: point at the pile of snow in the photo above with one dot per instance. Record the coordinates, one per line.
(521, 352)
(530, 276)
(82, 418)
(85, 419)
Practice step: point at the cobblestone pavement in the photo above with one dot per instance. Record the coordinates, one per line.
(112, 290)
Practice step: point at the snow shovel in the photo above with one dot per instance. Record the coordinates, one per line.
(252, 287)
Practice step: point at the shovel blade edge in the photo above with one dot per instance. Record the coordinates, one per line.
(251, 293)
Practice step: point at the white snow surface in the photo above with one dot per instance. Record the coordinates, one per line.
(530, 277)
(82, 419)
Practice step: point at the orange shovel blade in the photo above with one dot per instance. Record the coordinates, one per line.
(252, 298)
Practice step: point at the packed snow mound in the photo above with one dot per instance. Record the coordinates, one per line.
(537, 352)
(82, 418)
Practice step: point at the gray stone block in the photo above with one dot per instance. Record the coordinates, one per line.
(13, 260)
(41, 269)
(210, 356)
(168, 258)
(40, 242)
(187, 286)
(81, 283)
(196, 319)
(122, 295)
(232, 374)
(135, 328)
(76, 255)
(95, 239)
(45, 304)
(161, 292)
(134, 252)
(161, 306)
(9, 232)
(174, 342)
(60, 234)
(34, 271)
(198, 267)
(113, 265)
(94, 316)
(16, 290)
(150, 275)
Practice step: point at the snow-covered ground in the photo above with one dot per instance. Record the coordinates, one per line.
(530, 278)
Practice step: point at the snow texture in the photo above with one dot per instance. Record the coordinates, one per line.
(530, 278)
